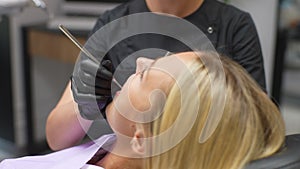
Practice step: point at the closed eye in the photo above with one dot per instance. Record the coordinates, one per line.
(142, 74)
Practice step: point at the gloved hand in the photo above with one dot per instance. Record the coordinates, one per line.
(91, 88)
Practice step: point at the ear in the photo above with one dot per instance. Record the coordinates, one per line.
(138, 143)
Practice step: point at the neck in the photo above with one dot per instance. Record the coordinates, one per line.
(125, 161)
(180, 8)
(112, 161)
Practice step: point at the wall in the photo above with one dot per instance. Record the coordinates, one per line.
(6, 119)
(49, 76)
(264, 14)
(29, 15)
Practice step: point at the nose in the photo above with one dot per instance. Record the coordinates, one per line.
(142, 63)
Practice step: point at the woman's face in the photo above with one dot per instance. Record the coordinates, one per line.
(142, 97)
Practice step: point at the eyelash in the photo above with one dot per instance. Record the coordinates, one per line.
(142, 74)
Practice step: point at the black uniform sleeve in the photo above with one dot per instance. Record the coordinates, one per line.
(110, 15)
(247, 49)
(98, 42)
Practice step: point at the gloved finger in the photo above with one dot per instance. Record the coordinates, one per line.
(108, 65)
(90, 112)
(86, 86)
(89, 67)
(103, 84)
(80, 96)
(102, 99)
(88, 98)
(102, 92)
(82, 87)
(99, 82)
(86, 78)
(104, 73)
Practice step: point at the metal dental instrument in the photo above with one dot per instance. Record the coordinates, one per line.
(75, 41)
(117, 83)
(83, 49)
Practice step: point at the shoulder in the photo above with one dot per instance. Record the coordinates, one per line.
(225, 9)
(117, 12)
(121, 10)
(227, 13)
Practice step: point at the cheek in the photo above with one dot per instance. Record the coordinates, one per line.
(119, 110)
(118, 123)
(139, 96)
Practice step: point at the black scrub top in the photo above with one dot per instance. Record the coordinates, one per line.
(231, 31)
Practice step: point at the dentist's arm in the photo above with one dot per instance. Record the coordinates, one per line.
(89, 91)
(65, 127)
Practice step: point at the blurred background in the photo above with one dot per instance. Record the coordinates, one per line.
(36, 61)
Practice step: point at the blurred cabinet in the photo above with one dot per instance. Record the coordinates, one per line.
(52, 44)
(49, 58)
(6, 107)
(291, 70)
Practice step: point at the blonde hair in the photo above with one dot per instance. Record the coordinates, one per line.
(251, 126)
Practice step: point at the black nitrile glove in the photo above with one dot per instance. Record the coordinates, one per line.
(91, 88)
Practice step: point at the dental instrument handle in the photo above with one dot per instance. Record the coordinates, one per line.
(83, 49)
(76, 42)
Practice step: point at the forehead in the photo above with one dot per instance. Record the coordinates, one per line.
(174, 64)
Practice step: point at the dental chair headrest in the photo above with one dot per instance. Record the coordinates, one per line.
(287, 158)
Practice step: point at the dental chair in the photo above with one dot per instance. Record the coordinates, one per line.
(287, 158)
